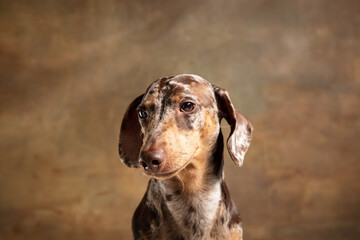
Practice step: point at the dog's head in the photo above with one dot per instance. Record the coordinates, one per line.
(176, 121)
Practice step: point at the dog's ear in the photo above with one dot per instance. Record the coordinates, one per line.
(131, 139)
(239, 139)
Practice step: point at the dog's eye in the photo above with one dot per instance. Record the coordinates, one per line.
(187, 107)
(142, 114)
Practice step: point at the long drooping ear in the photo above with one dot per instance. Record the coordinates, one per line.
(239, 139)
(131, 138)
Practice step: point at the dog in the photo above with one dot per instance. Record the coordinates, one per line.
(173, 133)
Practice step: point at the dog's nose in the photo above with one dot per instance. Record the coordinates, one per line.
(152, 160)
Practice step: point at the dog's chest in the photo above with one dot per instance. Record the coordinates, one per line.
(194, 214)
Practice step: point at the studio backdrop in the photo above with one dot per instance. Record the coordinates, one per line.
(69, 69)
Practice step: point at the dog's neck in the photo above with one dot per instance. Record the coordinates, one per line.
(193, 195)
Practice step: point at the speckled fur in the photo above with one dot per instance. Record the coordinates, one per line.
(188, 197)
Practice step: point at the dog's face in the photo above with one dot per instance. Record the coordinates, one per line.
(177, 116)
(177, 121)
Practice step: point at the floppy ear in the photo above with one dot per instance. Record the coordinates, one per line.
(239, 139)
(131, 138)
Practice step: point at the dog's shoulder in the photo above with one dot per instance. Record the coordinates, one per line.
(146, 215)
(152, 219)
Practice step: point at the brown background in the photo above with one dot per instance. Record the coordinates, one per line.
(68, 70)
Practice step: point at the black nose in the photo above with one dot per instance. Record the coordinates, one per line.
(152, 160)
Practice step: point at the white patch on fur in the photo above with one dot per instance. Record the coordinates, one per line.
(205, 204)
(185, 86)
(241, 139)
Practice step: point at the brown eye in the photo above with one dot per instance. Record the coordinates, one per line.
(187, 107)
(142, 114)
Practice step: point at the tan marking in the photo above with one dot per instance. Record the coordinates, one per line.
(236, 234)
(176, 98)
(180, 146)
(192, 174)
(148, 102)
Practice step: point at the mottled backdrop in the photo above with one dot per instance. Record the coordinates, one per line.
(68, 70)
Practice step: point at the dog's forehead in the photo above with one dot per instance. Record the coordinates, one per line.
(179, 87)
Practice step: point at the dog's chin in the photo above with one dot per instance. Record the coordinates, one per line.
(161, 175)
(165, 174)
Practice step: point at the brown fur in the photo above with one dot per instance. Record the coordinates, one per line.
(187, 197)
